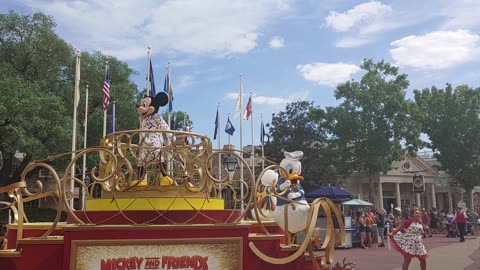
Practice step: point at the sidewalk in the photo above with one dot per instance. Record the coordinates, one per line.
(443, 253)
(452, 256)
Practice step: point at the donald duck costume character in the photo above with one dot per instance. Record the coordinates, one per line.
(290, 181)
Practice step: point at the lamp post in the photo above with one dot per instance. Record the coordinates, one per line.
(230, 163)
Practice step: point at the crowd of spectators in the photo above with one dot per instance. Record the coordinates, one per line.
(455, 223)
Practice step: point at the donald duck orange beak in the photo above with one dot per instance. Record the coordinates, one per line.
(294, 178)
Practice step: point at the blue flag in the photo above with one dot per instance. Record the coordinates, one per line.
(216, 127)
(153, 92)
(112, 120)
(262, 133)
(167, 88)
(229, 127)
(172, 122)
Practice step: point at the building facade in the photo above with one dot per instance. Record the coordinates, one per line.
(396, 187)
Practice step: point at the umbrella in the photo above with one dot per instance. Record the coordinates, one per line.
(337, 195)
(357, 202)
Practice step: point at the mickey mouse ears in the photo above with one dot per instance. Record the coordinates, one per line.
(162, 98)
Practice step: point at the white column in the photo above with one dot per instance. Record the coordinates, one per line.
(426, 198)
(471, 200)
(450, 202)
(434, 199)
(419, 202)
(380, 196)
(397, 197)
(441, 200)
(360, 191)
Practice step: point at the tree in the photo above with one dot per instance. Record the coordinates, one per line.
(178, 120)
(368, 128)
(34, 64)
(295, 129)
(37, 71)
(122, 91)
(451, 121)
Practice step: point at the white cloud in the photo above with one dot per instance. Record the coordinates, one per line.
(461, 14)
(366, 23)
(185, 81)
(362, 14)
(351, 42)
(328, 74)
(124, 28)
(265, 100)
(436, 50)
(275, 101)
(277, 42)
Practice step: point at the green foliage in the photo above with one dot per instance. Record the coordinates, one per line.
(451, 121)
(122, 91)
(31, 49)
(35, 215)
(37, 73)
(367, 130)
(179, 120)
(295, 129)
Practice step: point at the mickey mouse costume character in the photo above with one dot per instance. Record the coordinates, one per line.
(150, 143)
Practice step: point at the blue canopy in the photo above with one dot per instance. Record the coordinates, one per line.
(337, 195)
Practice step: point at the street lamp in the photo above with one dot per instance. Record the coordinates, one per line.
(230, 163)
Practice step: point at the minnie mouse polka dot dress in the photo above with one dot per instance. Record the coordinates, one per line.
(410, 243)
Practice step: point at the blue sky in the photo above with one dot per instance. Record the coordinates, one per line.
(286, 50)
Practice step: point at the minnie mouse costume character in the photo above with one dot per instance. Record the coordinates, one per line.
(408, 240)
(150, 143)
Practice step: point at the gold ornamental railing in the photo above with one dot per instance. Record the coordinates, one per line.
(185, 163)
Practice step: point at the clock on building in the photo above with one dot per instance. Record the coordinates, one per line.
(418, 183)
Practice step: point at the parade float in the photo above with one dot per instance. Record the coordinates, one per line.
(178, 205)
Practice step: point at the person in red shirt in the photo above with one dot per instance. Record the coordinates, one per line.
(461, 220)
(426, 222)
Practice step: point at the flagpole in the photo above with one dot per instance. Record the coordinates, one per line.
(262, 140)
(220, 155)
(113, 117)
(148, 71)
(185, 122)
(219, 143)
(169, 156)
(252, 154)
(229, 134)
(168, 89)
(85, 128)
(74, 131)
(105, 111)
(241, 144)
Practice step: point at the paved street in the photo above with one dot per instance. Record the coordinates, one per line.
(444, 253)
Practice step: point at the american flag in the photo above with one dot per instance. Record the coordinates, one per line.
(106, 90)
(248, 110)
